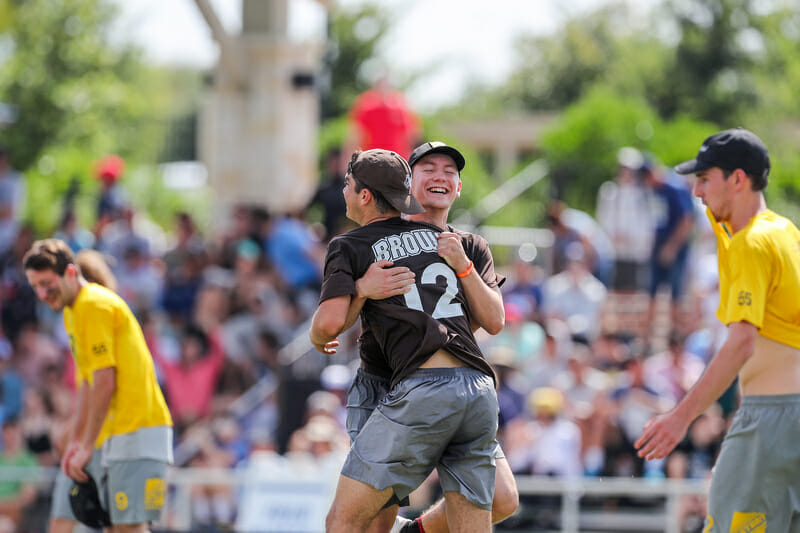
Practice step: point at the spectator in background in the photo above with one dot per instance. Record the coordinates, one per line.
(240, 227)
(19, 306)
(329, 195)
(549, 444)
(564, 236)
(213, 506)
(37, 426)
(15, 496)
(112, 198)
(380, 118)
(594, 239)
(510, 395)
(297, 256)
(184, 264)
(525, 289)
(523, 337)
(673, 213)
(71, 232)
(12, 199)
(623, 212)
(634, 403)
(121, 235)
(141, 283)
(673, 372)
(549, 364)
(585, 389)
(12, 386)
(190, 382)
(575, 295)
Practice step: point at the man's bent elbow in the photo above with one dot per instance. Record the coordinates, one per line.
(496, 324)
(327, 328)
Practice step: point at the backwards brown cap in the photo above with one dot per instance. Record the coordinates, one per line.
(389, 174)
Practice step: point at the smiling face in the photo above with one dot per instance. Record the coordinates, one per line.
(52, 289)
(715, 190)
(435, 181)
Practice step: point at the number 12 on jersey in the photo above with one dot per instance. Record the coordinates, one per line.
(445, 307)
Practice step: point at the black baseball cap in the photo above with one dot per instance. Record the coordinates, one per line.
(437, 147)
(85, 503)
(389, 174)
(729, 150)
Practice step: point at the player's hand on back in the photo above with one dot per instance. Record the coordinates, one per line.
(382, 280)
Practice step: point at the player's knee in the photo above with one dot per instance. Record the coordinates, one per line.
(339, 520)
(331, 519)
(506, 500)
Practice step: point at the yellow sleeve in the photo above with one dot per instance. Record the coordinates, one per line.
(750, 266)
(98, 336)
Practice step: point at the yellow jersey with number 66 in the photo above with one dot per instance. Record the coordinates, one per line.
(759, 276)
(104, 333)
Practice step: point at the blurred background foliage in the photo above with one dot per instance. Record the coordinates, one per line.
(661, 82)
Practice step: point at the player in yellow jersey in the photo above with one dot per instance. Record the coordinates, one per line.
(119, 406)
(755, 483)
(94, 269)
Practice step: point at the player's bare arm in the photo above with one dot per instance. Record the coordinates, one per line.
(662, 433)
(485, 303)
(328, 322)
(381, 280)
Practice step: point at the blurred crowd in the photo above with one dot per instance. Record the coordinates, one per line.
(606, 328)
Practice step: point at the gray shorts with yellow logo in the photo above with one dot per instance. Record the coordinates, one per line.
(135, 490)
(443, 418)
(755, 483)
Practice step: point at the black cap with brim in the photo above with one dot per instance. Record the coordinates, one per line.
(85, 503)
(389, 174)
(729, 150)
(695, 165)
(437, 147)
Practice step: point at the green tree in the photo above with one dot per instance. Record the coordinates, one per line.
(353, 37)
(718, 47)
(582, 146)
(77, 98)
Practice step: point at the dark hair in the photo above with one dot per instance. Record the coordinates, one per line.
(675, 339)
(757, 183)
(49, 254)
(381, 203)
(192, 331)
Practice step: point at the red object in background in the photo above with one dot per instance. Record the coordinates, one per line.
(384, 121)
(109, 169)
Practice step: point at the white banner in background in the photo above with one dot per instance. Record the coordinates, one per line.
(288, 494)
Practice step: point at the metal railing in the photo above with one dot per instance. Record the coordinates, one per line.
(304, 477)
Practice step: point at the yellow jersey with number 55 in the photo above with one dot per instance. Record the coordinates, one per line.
(104, 333)
(759, 276)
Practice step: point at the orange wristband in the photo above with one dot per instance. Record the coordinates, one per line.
(466, 271)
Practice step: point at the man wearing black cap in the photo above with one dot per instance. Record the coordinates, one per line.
(436, 183)
(756, 481)
(438, 371)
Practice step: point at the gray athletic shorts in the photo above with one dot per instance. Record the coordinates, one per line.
(443, 418)
(136, 490)
(366, 392)
(755, 483)
(61, 507)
